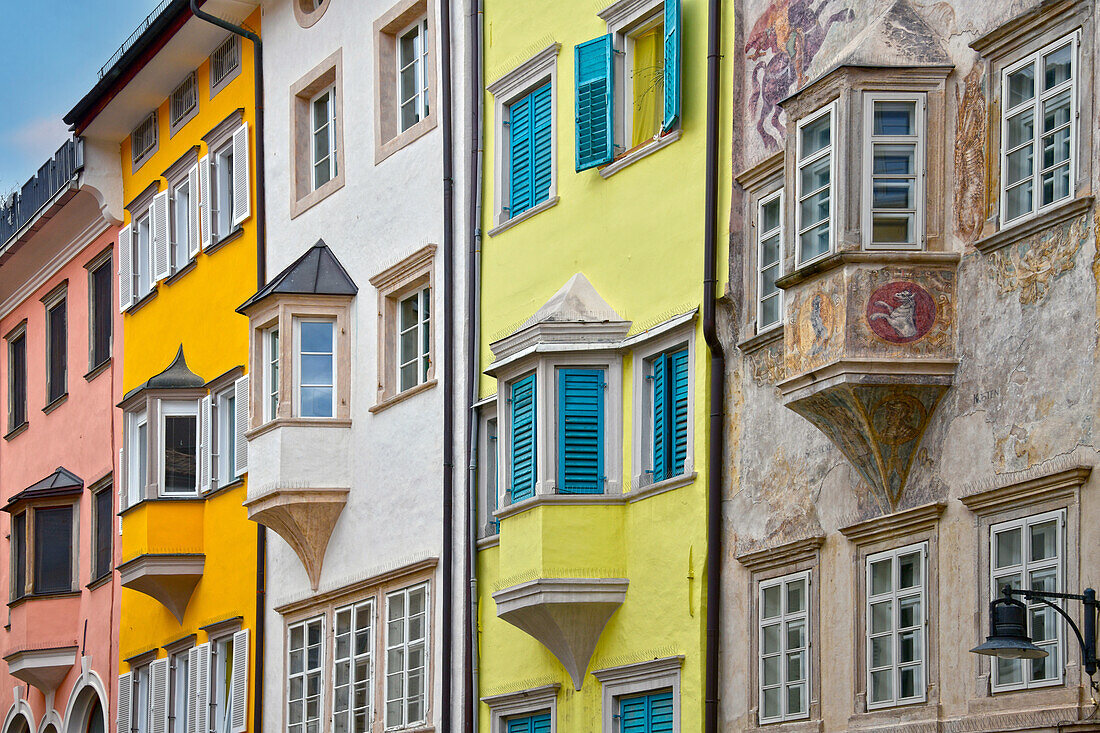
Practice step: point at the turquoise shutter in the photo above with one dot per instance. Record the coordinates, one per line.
(646, 713)
(679, 388)
(672, 64)
(542, 137)
(660, 712)
(539, 723)
(660, 402)
(523, 439)
(594, 108)
(519, 149)
(632, 715)
(580, 431)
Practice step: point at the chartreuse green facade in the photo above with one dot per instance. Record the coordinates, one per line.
(592, 446)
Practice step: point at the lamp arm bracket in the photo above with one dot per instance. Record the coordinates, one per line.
(1042, 597)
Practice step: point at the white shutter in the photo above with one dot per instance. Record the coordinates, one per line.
(199, 665)
(204, 200)
(204, 444)
(238, 707)
(192, 685)
(125, 269)
(124, 716)
(240, 406)
(193, 211)
(122, 477)
(158, 223)
(242, 205)
(158, 695)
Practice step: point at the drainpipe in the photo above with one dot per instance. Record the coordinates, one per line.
(717, 368)
(261, 280)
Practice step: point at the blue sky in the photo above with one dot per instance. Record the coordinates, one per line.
(50, 53)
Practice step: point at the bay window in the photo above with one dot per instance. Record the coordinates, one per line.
(814, 183)
(893, 171)
(316, 368)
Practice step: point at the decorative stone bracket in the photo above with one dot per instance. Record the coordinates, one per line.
(169, 578)
(304, 518)
(43, 668)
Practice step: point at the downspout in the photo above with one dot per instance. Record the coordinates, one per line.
(717, 368)
(261, 280)
(473, 349)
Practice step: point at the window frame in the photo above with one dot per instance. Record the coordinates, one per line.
(15, 336)
(920, 100)
(388, 30)
(175, 408)
(221, 654)
(232, 72)
(71, 551)
(640, 678)
(353, 608)
(176, 262)
(135, 454)
(423, 102)
(326, 75)
(488, 468)
(19, 556)
(330, 126)
(423, 327)
(223, 427)
(270, 348)
(894, 597)
(172, 698)
(104, 262)
(57, 298)
(625, 26)
(305, 673)
(806, 616)
(405, 646)
(221, 191)
(298, 320)
(830, 109)
(778, 195)
(106, 487)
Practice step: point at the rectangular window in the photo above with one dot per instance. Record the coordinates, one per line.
(896, 624)
(492, 463)
(104, 511)
(224, 61)
(181, 225)
(783, 615)
(645, 54)
(769, 262)
(305, 648)
(222, 693)
(412, 74)
(530, 149)
(57, 333)
(1039, 130)
(180, 455)
(17, 380)
(19, 555)
(142, 707)
(669, 377)
(143, 243)
(650, 712)
(183, 100)
(179, 691)
(524, 458)
(223, 191)
(581, 431)
(1028, 554)
(352, 668)
(101, 319)
(271, 373)
(414, 339)
(316, 373)
(144, 138)
(323, 114)
(224, 440)
(137, 469)
(537, 723)
(406, 656)
(815, 192)
(53, 550)
(894, 171)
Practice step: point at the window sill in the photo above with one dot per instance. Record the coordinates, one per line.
(16, 431)
(760, 340)
(97, 370)
(638, 152)
(43, 596)
(141, 303)
(912, 714)
(790, 726)
(237, 482)
(401, 396)
(298, 422)
(894, 257)
(300, 205)
(559, 499)
(660, 487)
(55, 404)
(100, 582)
(1017, 232)
(386, 148)
(237, 233)
(519, 218)
(178, 274)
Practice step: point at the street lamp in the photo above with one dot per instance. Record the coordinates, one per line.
(1008, 637)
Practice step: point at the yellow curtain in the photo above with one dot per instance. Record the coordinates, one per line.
(649, 86)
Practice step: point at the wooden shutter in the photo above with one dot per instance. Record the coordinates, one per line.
(123, 494)
(242, 205)
(519, 149)
(204, 201)
(592, 63)
(240, 406)
(672, 64)
(158, 695)
(580, 431)
(205, 454)
(199, 693)
(660, 422)
(125, 269)
(238, 708)
(524, 461)
(660, 712)
(193, 197)
(542, 144)
(158, 225)
(678, 373)
(124, 714)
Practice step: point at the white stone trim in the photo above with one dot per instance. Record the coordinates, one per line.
(636, 678)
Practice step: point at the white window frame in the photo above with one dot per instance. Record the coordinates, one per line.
(176, 408)
(355, 609)
(221, 192)
(179, 691)
(1036, 104)
(223, 454)
(782, 620)
(319, 670)
(330, 125)
(423, 327)
(1023, 524)
(761, 236)
(298, 321)
(142, 712)
(624, 27)
(420, 62)
(221, 689)
(918, 141)
(404, 646)
(830, 109)
(176, 262)
(135, 485)
(271, 372)
(894, 596)
(141, 289)
(489, 469)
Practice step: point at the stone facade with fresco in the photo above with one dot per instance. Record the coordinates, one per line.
(912, 329)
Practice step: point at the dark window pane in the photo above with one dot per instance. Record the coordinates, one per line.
(101, 313)
(53, 536)
(179, 454)
(18, 382)
(103, 532)
(58, 341)
(19, 547)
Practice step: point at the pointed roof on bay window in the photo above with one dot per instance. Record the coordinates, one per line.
(317, 272)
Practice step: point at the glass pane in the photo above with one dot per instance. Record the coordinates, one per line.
(1043, 627)
(317, 337)
(815, 242)
(795, 666)
(895, 118)
(771, 639)
(816, 135)
(179, 453)
(1044, 540)
(408, 47)
(769, 216)
(322, 173)
(1019, 165)
(894, 194)
(772, 600)
(909, 575)
(771, 671)
(409, 116)
(1056, 184)
(1019, 199)
(796, 596)
(771, 703)
(316, 401)
(815, 175)
(1021, 85)
(795, 701)
(1045, 581)
(767, 281)
(1012, 581)
(1047, 667)
(796, 634)
(408, 345)
(1007, 548)
(892, 229)
(1056, 111)
(408, 82)
(881, 617)
(408, 375)
(769, 312)
(909, 614)
(1056, 66)
(881, 577)
(316, 369)
(894, 160)
(882, 685)
(320, 111)
(815, 208)
(909, 646)
(909, 680)
(769, 251)
(1021, 129)
(1009, 671)
(882, 651)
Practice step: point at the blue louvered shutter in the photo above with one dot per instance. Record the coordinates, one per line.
(542, 144)
(672, 64)
(660, 408)
(660, 712)
(595, 111)
(524, 465)
(646, 713)
(519, 150)
(678, 387)
(538, 723)
(580, 431)
(632, 715)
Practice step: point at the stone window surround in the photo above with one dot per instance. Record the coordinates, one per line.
(282, 311)
(768, 563)
(394, 284)
(758, 183)
(328, 73)
(525, 77)
(375, 587)
(28, 509)
(387, 139)
(149, 401)
(1032, 492)
(1004, 46)
(886, 532)
(524, 702)
(215, 88)
(640, 677)
(305, 17)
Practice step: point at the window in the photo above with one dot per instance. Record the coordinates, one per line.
(412, 79)
(488, 467)
(179, 692)
(179, 426)
(225, 63)
(641, 697)
(814, 185)
(222, 192)
(1028, 554)
(100, 317)
(305, 649)
(668, 374)
(523, 422)
(17, 378)
(783, 615)
(225, 186)
(142, 253)
(142, 709)
(581, 431)
(184, 226)
(406, 656)
(308, 12)
(317, 134)
(222, 659)
(1039, 130)
(53, 550)
(316, 372)
(404, 313)
(646, 713)
(353, 689)
(56, 348)
(225, 438)
(102, 536)
(271, 373)
(894, 171)
(414, 339)
(896, 622)
(769, 262)
(143, 140)
(19, 555)
(530, 149)
(183, 104)
(324, 139)
(223, 416)
(137, 267)
(537, 723)
(138, 455)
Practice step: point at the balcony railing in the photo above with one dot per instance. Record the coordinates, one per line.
(129, 42)
(53, 176)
